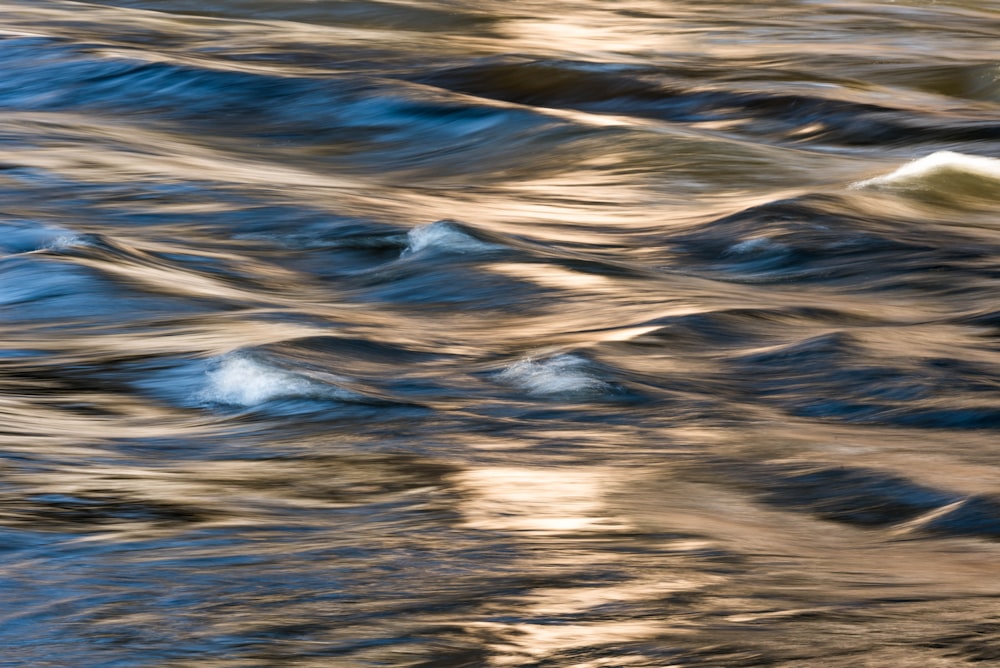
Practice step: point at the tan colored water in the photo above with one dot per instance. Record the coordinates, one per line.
(441, 334)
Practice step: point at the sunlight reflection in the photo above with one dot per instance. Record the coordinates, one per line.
(589, 33)
(567, 508)
(534, 641)
(536, 500)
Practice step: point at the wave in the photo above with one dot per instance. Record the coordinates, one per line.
(837, 376)
(945, 177)
(18, 237)
(866, 498)
(558, 376)
(240, 379)
(325, 368)
(818, 116)
(833, 238)
(372, 124)
(445, 236)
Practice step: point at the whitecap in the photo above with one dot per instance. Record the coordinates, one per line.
(446, 236)
(27, 238)
(239, 379)
(945, 174)
(560, 375)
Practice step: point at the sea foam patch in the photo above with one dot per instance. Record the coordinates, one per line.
(16, 238)
(239, 379)
(560, 375)
(446, 236)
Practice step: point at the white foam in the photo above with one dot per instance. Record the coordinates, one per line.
(29, 238)
(755, 245)
(935, 170)
(554, 376)
(240, 380)
(67, 240)
(445, 236)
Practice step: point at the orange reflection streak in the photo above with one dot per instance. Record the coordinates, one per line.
(535, 500)
(562, 506)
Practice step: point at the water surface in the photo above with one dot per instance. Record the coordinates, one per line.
(464, 333)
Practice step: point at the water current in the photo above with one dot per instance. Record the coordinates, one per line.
(469, 333)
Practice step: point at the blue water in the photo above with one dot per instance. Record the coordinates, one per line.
(448, 333)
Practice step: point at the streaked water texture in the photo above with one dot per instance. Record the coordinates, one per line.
(448, 334)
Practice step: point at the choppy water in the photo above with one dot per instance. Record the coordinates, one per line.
(475, 333)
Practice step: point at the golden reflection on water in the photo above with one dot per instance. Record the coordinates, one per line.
(566, 511)
(537, 501)
(588, 35)
(539, 528)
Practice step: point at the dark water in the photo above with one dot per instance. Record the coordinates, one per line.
(475, 333)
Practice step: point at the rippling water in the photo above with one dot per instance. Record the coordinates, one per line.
(449, 333)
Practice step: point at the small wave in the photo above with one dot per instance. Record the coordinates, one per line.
(754, 245)
(445, 236)
(852, 495)
(759, 254)
(840, 376)
(708, 332)
(975, 516)
(829, 238)
(27, 237)
(944, 176)
(821, 114)
(31, 281)
(558, 376)
(238, 379)
(868, 498)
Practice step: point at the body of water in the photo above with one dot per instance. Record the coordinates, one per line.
(467, 333)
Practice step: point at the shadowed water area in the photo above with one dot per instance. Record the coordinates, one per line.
(441, 334)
